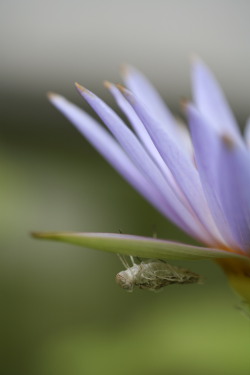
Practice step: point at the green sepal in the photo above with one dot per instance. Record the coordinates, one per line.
(144, 247)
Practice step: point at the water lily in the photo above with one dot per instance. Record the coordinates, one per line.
(199, 179)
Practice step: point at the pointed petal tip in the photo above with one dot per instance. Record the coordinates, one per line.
(83, 91)
(45, 235)
(52, 95)
(196, 59)
(122, 88)
(228, 141)
(199, 65)
(80, 87)
(37, 234)
(184, 104)
(108, 84)
(125, 70)
(127, 93)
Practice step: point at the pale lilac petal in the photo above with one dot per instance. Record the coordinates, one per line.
(136, 123)
(143, 135)
(110, 149)
(185, 139)
(181, 167)
(144, 90)
(234, 188)
(247, 133)
(144, 247)
(215, 168)
(211, 102)
(176, 211)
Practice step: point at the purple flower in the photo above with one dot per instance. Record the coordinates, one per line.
(200, 179)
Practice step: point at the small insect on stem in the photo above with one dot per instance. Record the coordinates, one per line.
(153, 275)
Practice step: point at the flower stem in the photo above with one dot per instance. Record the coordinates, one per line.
(238, 273)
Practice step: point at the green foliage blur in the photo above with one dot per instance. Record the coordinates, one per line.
(61, 311)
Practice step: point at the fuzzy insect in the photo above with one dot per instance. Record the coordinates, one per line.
(153, 275)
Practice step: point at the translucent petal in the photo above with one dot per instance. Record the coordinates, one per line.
(143, 135)
(177, 212)
(247, 133)
(234, 189)
(211, 102)
(145, 91)
(224, 170)
(136, 124)
(183, 170)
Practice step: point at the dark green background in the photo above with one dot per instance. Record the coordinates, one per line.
(61, 311)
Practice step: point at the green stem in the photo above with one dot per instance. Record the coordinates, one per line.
(238, 272)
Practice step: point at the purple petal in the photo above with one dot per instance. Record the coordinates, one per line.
(110, 149)
(180, 166)
(224, 174)
(142, 134)
(140, 130)
(135, 121)
(177, 212)
(148, 95)
(144, 247)
(247, 133)
(184, 139)
(234, 166)
(211, 102)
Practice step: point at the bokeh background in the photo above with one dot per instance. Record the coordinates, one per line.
(61, 311)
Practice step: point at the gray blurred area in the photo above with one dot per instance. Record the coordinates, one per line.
(61, 312)
(50, 44)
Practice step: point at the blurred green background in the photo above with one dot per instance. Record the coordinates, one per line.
(61, 311)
